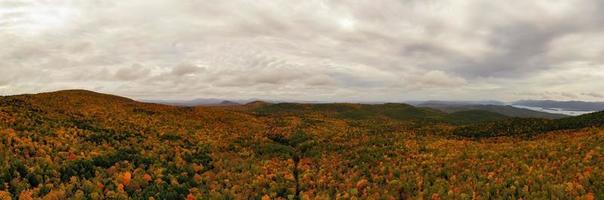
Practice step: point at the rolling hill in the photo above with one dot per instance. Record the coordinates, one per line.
(79, 144)
(392, 111)
(530, 127)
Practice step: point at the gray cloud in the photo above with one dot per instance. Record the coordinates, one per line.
(131, 73)
(310, 50)
(593, 94)
(186, 69)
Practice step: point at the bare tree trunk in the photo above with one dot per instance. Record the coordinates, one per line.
(296, 178)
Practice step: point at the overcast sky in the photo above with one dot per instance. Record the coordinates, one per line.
(344, 50)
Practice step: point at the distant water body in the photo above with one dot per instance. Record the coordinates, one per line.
(554, 110)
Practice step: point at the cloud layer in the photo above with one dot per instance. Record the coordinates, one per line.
(358, 50)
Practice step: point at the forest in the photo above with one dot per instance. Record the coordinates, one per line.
(78, 144)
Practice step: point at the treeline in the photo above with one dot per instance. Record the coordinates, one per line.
(529, 127)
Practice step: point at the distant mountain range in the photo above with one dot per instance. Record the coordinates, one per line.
(455, 103)
(199, 102)
(563, 105)
(506, 110)
(548, 109)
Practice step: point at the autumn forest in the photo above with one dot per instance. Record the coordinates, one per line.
(78, 144)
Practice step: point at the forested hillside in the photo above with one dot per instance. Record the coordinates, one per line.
(389, 111)
(530, 127)
(83, 145)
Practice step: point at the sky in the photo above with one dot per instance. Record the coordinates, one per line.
(311, 50)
